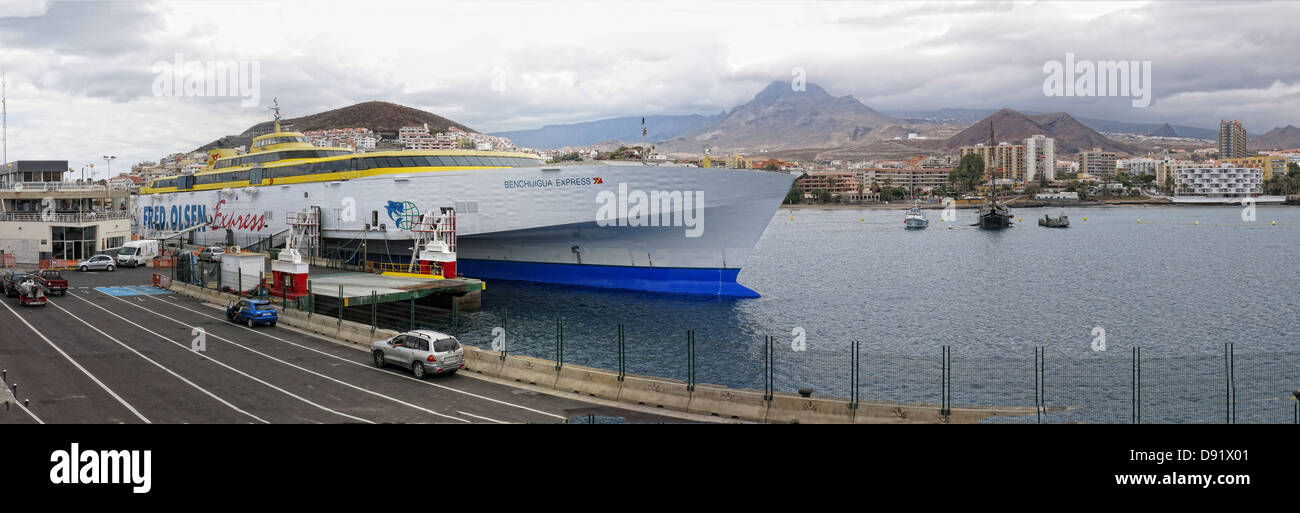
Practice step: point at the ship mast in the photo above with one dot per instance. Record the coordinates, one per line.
(276, 110)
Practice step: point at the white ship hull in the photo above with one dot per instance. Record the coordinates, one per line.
(630, 227)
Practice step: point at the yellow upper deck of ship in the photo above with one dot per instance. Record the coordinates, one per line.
(288, 157)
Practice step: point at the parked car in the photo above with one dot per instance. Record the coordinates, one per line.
(422, 351)
(96, 263)
(9, 281)
(52, 281)
(252, 312)
(212, 253)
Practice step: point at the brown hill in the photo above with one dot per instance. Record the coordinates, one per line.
(779, 118)
(1164, 131)
(1280, 138)
(1011, 126)
(382, 117)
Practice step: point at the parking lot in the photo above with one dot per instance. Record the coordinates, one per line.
(114, 350)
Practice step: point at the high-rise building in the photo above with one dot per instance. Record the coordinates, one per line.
(1100, 164)
(1004, 162)
(1232, 140)
(1040, 158)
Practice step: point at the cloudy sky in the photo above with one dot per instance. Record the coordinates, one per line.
(83, 77)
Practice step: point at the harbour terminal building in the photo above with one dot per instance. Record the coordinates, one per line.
(43, 217)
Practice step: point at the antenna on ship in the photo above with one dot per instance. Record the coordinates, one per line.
(276, 110)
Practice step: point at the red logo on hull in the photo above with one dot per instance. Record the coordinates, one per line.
(247, 222)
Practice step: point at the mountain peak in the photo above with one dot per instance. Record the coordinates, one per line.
(781, 118)
(1279, 138)
(1013, 126)
(782, 88)
(1165, 130)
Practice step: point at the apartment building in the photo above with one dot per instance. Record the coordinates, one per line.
(1098, 163)
(1222, 181)
(1270, 164)
(1002, 162)
(1040, 158)
(835, 182)
(1232, 140)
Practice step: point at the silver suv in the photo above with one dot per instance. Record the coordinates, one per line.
(422, 351)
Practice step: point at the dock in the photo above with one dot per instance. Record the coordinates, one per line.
(360, 288)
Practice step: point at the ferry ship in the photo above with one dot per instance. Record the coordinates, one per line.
(652, 228)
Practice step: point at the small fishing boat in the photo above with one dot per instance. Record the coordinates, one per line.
(1054, 222)
(915, 219)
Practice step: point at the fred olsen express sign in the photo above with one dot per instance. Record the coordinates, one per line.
(180, 217)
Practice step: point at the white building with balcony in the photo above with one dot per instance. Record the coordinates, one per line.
(1224, 183)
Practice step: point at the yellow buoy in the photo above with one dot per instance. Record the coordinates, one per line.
(863, 219)
(1085, 219)
(1139, 221)
(1020, 219)
(1274, 223)
(1197, 223)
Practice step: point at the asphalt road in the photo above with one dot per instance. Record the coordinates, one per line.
(94, 357)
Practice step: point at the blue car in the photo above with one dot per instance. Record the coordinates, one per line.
(252, 312)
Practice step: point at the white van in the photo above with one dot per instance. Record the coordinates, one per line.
(136, 253)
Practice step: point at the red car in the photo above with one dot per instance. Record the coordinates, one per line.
(52, 281)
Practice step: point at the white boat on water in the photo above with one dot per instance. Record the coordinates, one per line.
(915, 219)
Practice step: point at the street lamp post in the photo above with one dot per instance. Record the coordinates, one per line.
(109, 159)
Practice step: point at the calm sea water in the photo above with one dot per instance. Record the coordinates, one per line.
(1178, 290)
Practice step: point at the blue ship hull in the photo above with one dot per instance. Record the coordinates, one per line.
(712, 282)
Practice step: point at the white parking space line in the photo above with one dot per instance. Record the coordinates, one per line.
(159, 365)
(304, 369)
(470, 394)
(241, 373)
(79, 367)
(8, 396)
(481, 417)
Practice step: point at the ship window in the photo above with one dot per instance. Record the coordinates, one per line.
(392, 162)
(460, 161)
(408, 162)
